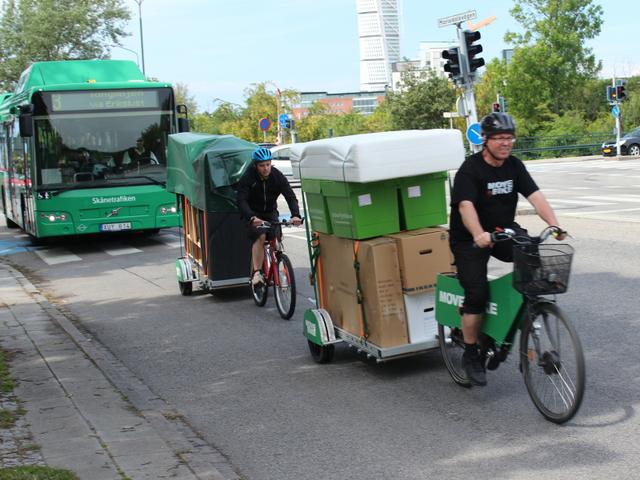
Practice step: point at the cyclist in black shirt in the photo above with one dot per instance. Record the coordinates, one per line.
(258, 192)
(485, 196)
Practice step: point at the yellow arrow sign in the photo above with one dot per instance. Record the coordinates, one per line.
(480, 24)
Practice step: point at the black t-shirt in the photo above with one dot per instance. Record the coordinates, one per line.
(492, 190)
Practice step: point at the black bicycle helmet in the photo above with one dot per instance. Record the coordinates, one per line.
(495, 123)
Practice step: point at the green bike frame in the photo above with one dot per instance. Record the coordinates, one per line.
(504, 309)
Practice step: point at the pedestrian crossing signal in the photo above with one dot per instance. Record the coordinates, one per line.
(496, 107)
(620, 93)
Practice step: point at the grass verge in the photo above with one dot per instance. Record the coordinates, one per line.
(36, 473)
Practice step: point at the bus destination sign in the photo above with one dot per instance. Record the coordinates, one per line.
(104, 100)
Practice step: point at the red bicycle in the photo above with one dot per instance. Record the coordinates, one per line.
(277, 271)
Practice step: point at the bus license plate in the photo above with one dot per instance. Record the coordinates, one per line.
(115, 227)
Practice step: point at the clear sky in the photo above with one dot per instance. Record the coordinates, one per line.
(220, 47)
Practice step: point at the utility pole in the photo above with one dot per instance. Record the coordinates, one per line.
(139, 2)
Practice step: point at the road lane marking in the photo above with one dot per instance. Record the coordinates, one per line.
(619, 198)
(123, 250)
(586, 203)
(57, 255)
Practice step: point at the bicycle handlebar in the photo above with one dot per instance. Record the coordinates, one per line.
(502, 234)
(267, 225)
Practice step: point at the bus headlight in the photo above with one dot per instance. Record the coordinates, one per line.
(54, 217)
(166, 210)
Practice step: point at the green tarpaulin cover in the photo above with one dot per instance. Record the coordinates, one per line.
(205, 168)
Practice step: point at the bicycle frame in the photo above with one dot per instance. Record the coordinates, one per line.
(272, 249)
(504, 309)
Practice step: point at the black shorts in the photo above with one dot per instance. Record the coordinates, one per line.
(471, 263)
(274, 232)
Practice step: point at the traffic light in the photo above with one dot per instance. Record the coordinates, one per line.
(452, 66)
(287, 123)
(503, 104)
(473, 50)
(611, 93)
(620, 93)
(496, 107)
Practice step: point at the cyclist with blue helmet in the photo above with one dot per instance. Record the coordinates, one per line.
(258, 192)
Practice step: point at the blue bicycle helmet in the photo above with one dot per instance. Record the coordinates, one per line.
(261, 155)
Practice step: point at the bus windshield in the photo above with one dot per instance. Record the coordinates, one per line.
(83, 140)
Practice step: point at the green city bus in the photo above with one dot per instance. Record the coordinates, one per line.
(83, 149)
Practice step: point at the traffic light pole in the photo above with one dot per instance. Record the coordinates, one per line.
(467, 84)
(618, 123)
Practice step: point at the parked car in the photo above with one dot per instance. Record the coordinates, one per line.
(629, 144)
(282, 160)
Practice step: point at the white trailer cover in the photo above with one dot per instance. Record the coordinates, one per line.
(378, 156)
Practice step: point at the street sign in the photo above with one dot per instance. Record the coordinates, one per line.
(450, 114)
(615, 111)
(283, 119)
(459, 18)
(264, 124)
(473, 134)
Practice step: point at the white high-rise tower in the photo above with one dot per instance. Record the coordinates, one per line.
(379, 31)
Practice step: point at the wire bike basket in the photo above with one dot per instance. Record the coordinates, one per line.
(542, 269)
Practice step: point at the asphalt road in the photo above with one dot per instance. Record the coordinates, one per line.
(244, 378)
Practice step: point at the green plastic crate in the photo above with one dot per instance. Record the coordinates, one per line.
(317, 206)
(422, 201)
(362, 210)
(504, 304)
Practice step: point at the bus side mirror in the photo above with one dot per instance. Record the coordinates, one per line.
(183, 122)
(25, 121)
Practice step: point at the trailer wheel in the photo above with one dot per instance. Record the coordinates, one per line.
(186, 288)
(321, 354)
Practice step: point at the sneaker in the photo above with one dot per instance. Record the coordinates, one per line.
(257, 280)
(474, 368)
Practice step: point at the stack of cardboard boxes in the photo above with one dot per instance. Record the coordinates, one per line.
(378, 262)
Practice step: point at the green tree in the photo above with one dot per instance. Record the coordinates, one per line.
(183, 97)
(44, 30)
(551, 63)
(421, 102)
(492, 83)
(225, 114)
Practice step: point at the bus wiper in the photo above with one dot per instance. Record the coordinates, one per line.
(151, 179)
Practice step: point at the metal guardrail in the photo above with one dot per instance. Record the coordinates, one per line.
(560, 145)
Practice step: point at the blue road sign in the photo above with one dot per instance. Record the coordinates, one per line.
(473, 134)
(264, 124)
(283, 118)
(615, 111)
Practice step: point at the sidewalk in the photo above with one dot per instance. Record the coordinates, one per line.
(75, 413)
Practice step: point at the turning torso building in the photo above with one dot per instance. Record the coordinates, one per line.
(379, 32)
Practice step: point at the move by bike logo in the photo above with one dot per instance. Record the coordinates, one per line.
(118, 199)
(458, 300)
(499, 188)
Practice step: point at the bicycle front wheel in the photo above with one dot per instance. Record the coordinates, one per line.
(259, 293)
(284, 288)
(552, 363)
(452, 348)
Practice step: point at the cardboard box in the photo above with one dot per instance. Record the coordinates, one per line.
(421, 317)
(423, 254)
(339, 282)
(380, 284)
(382, 292)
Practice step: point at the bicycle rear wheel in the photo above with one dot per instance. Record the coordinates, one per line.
(285, 288)
(452, 348)
(552, 363)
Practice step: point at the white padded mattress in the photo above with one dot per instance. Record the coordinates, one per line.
(378, 156)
